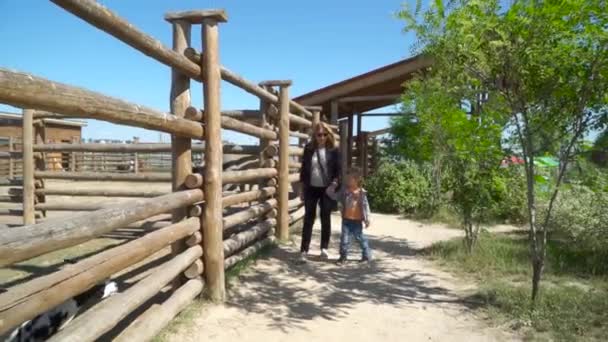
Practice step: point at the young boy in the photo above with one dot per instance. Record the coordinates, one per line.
(355, 212)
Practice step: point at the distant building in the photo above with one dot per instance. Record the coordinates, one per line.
(56, 130)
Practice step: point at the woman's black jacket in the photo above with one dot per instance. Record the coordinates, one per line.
(333, 164)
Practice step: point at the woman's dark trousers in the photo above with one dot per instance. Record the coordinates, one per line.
(313, 196)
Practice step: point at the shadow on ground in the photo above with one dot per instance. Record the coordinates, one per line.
(293, 293)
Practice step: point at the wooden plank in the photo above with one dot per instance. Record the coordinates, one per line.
(89, 327)
(153, 320)
(197, 16)
(29, 299)
(33, 240)
(28, 91)
(242, 176)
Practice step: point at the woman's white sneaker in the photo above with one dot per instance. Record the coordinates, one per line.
(303, 257)
(324, 254)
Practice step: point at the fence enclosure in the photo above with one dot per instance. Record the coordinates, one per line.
(207, 227)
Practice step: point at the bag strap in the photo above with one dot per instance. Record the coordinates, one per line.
(323, 173)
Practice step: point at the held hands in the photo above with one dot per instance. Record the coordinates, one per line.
(367, 224)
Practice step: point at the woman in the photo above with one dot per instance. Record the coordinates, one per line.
(320, 167)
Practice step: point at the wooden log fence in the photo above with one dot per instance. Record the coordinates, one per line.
(189, 219)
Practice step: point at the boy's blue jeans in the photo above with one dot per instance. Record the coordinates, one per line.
(354, 228)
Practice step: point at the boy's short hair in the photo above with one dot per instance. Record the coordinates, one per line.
(355, 173)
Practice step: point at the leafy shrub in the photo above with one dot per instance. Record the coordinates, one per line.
(580, 219)
(401, 187)
(509, 195)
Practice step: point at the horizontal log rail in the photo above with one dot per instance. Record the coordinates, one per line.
(119, 149)
(96, 176)
(37, 239)
(294, 178)
(153, 320)
(6, 182)
(99, 192)
(249, 196)
(246, 128)
(250, 213)
(242, 239)
(243, 176)
(27, 91)
(249, 251)
(93, 323)
(107, 21)
(25, 301)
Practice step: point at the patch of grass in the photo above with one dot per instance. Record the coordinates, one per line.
(444, 214)
(573, 303)
(182, 321)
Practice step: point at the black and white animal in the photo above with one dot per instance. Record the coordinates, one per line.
(45, 325)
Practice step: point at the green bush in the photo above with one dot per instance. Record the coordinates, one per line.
(401, 187)
(580, 220)
(509, 196)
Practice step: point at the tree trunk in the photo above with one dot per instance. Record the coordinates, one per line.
(538, 265)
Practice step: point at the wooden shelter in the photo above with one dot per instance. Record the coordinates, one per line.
(357, 95)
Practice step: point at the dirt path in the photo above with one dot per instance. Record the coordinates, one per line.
(401, 298)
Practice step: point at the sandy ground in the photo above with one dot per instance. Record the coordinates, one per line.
(400, 298)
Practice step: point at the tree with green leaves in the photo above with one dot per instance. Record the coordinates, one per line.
(544, 66)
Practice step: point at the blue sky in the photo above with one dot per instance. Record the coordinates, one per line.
(312, 42)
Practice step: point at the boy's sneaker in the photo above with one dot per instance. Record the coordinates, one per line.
(365, 259)
(303, 257)
(341, 261)
(324, 254)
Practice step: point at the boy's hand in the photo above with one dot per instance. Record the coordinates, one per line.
(367, 224)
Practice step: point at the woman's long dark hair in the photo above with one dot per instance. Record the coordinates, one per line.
(330, 140)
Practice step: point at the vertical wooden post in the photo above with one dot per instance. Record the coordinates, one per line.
(73, 156)
(212, 186)
(334, 112)
(136, 163)
(283, 167)
(40, 158)
(316, 117)
(181, 148)
(27, 144)
(375, 156)
(343, 147)
(11, 166)
(349, 140)
(364, 155)
(265, 123)
(360, 142)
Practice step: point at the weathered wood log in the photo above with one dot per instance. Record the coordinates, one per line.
(152, 321)
(7, 182)
(98, 176)
(195, 57)
(299, 135)
(250, 213)
(246, 128)
(270, 163)
(249, 251)
(99, 192)
(272, 182)
(33, 240)
(132, 148)
(249, 196)
(72, 206)
(28, 166)
(240, 240)
(283, 169)
(27, 91)
(88, 326)
(296, 216)
(295, 165)
(242, 176)
(294, 178)
(246, 115)
(213, 173)
(193, 181)
(29, 299)
(195, 270)
(195, 211)
(272, 150)
(274, 213)
(107, 21)
(295, 203)
(194, 239)
(296, 151)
